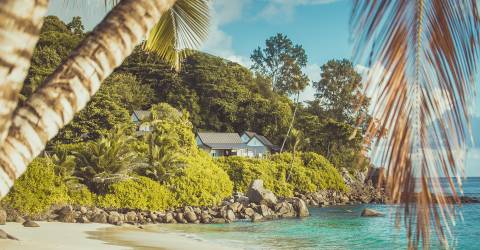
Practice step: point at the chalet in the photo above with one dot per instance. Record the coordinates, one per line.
(221, 144)
(257, 145)
(141, 120)
(232, 144)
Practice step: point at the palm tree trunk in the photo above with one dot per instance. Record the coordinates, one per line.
(71, 86)
(20, 24)
(291, 122)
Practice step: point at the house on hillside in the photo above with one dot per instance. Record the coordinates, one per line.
(221, 144)
(250, 144)
(258, 145)
(140, 118)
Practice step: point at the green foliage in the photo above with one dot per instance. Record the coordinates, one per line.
(37, 189)
(81, 195)
(243, 171)
(170, 139)
(97, 119)
(201, 183)
(127, 91)
(137, 193)
(322, 173)
(339, 92)
(76, 26)
(284, 175)
(106, 160)
(282, 62)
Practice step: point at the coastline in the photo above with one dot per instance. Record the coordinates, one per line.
(58, 235)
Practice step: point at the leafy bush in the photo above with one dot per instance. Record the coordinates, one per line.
(243, 171)
(137, 193)
(201, 182)
(308, 172)
(106, 160)
(37, 189)
(322, 172)
(81, 195)
(171, 138)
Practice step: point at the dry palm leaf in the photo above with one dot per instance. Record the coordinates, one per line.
(422, 57)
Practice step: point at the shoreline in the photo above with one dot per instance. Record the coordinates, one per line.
(58, 235)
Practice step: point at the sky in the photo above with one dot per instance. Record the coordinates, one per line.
(238, 27)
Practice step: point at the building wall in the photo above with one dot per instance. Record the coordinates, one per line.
(258, 151)
(145, 127)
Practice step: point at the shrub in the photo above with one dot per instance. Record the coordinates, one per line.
(106, 160)
(37, 189)
(323, 173)
(81, 195)
(201, 182)
(137, 193)
(171, 138)
(243, 171)
(308, 172)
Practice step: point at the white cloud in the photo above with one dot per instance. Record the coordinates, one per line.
(219, 43)
(286, 8)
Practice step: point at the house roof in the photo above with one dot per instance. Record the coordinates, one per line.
(221, 140)
(142, 114)
(261, 138)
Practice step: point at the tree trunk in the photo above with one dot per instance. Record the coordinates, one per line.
(291, 122)
(20, 24)
(71, 86)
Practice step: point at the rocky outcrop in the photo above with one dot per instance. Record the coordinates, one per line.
(258, 194)
(367, 212)
(300, 208)
(30, 223)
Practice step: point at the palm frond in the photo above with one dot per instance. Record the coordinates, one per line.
(182, 28)
(422, 57)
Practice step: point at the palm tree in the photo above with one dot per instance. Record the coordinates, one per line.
(172, 24)
(106, 160)
(423, 59)
(21, 21)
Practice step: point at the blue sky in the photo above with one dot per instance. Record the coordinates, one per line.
(239, 26)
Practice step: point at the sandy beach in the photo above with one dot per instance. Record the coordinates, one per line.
(56, 235)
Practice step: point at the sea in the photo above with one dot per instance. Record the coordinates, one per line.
(339, 227)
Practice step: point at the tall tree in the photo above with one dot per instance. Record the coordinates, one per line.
(70, 87)
(76, 26)
(282, 61)
(423, 57)
(338, 92)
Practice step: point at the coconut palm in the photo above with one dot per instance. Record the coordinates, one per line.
(422, 57)
(172, 25)
(21, 21)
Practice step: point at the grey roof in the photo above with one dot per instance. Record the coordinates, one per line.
(142, 114)
(227, 145)
(221, 140)
(261, 138)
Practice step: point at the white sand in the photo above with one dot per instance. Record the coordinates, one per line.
(55, 235)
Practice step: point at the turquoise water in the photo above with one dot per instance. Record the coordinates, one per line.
(337, 227)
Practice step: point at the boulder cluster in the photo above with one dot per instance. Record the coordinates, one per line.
(259, 204)
(361, 190)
